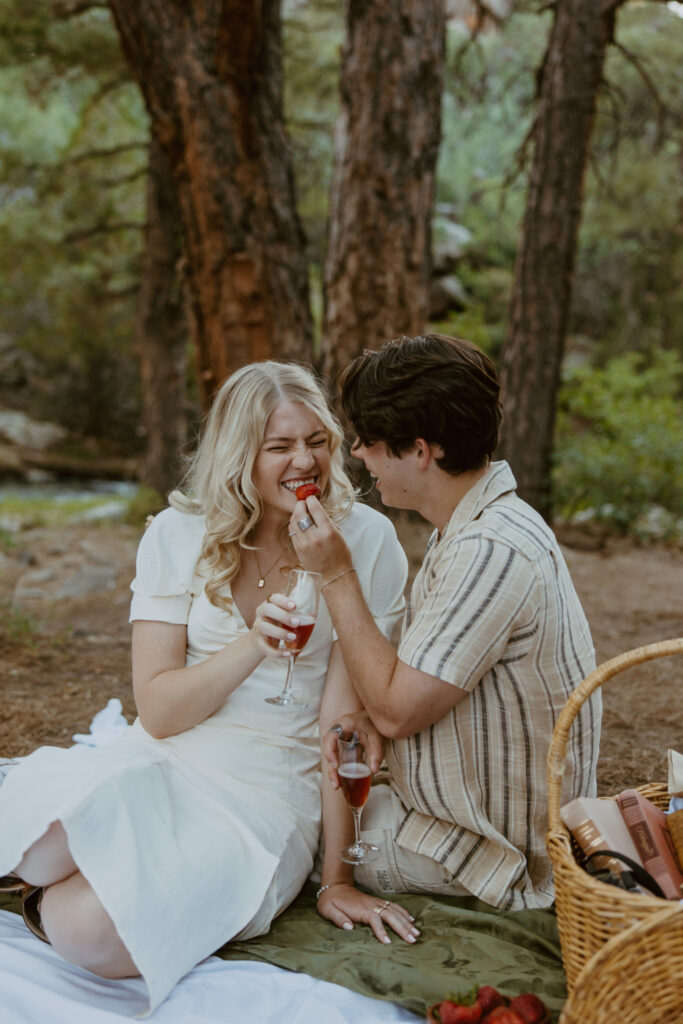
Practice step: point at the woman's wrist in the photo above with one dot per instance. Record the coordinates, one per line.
(329, 885)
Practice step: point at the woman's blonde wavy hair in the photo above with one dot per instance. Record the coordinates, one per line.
(218, 483)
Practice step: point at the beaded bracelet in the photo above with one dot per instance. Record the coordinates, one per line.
(337, 577)
(324, 888)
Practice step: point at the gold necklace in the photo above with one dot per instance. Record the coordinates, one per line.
(263, 575)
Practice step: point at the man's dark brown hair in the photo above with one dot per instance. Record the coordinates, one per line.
(444, 390)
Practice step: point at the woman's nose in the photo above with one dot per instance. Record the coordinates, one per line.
(303, 456)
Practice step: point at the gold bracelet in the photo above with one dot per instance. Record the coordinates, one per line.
(337, 577)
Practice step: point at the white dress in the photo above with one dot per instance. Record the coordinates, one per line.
(205, 836)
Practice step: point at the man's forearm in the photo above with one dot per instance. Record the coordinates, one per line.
(369, 657)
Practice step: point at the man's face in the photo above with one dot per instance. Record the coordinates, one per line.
(393, 475)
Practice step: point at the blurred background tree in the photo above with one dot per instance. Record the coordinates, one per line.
(70, 287)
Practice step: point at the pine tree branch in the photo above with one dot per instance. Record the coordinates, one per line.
(63, 10)
(662, 110)
(103, 229)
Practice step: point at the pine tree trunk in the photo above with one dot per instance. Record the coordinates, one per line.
(211, 76)
(531, 360)
(162, 332)
(377, 271)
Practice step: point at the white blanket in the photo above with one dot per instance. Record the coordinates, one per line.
(38, 987)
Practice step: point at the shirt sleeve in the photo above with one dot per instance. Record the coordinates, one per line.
(381, 566)
(475, 595)
(165, 580)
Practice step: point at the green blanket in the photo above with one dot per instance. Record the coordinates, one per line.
(463, 943)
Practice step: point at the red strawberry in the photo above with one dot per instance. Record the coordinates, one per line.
(456, 1013)
(489, 998)
(530, 1008)
(304, 491)
(503, 1015)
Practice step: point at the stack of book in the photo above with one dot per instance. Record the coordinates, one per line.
(631, 825)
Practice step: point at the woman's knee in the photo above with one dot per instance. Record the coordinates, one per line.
(82, 932)
(49, 859)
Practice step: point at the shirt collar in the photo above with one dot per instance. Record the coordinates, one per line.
(496, 481)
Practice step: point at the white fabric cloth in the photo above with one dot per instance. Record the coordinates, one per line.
(196, 839)
(38, 987)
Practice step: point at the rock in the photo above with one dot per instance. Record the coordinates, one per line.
(446, 294)
(21, 429)
(92, 579)
(10, 463)
(449, 242)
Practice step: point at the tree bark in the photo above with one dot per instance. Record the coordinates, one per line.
(211, 76)
(569, 82)
(162, 332)
(377, 270)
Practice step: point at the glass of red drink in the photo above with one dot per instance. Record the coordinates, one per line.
(303, 586)
(355, 778)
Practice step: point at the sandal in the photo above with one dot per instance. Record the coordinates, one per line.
(10, 883)
(30, 909)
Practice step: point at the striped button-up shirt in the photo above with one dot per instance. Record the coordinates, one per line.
(494, 612)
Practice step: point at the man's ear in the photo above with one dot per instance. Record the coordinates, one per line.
(427, 451)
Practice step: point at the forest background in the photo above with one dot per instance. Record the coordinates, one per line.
(74, 206)
(87, 339)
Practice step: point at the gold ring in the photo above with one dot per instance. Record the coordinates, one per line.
(378, 910)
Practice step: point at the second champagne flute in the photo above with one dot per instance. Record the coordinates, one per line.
(355, 778)
(303, 586)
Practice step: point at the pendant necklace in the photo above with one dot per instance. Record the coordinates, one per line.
(263, 575)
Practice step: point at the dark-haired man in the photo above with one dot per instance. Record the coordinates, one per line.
(493, 642)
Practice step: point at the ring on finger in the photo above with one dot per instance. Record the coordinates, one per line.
(378, 910)
(305, 524)
(336, 728)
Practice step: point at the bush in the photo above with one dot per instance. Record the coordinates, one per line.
(619, 445)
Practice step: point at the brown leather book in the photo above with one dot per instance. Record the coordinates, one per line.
(674, 823)
(648, 828)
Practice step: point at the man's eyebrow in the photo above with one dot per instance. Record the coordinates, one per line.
(309, 438)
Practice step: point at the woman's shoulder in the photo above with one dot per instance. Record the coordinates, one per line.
(364, 521)
(170, 547)
(173, 522)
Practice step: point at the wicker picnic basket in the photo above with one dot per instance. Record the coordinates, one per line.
(590, 912)
(636, 977)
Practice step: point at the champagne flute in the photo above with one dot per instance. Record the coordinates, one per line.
(355, 778)
(303, 586)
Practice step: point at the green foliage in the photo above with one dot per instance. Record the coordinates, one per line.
(17, 626)
(145, 502)
(619, 444)
(72, 166)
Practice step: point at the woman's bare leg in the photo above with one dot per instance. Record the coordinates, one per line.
(82, 932)
(49, 860)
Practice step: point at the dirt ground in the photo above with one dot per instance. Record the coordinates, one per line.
(65, 648)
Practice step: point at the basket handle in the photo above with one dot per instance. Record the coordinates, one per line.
(600, 675)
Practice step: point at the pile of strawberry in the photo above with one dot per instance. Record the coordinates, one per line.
(488, 1006)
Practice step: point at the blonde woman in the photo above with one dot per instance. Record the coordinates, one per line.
(200, 824)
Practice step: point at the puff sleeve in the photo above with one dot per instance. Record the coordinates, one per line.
(165, 579)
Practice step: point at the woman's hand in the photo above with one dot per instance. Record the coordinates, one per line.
(271, 620)
(343, 905)
(371, 739)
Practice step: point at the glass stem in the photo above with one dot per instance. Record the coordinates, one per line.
(356, 812)
(287, 688)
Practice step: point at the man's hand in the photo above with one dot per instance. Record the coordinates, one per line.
(321, 547)
(343, 905)
(372, 741)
